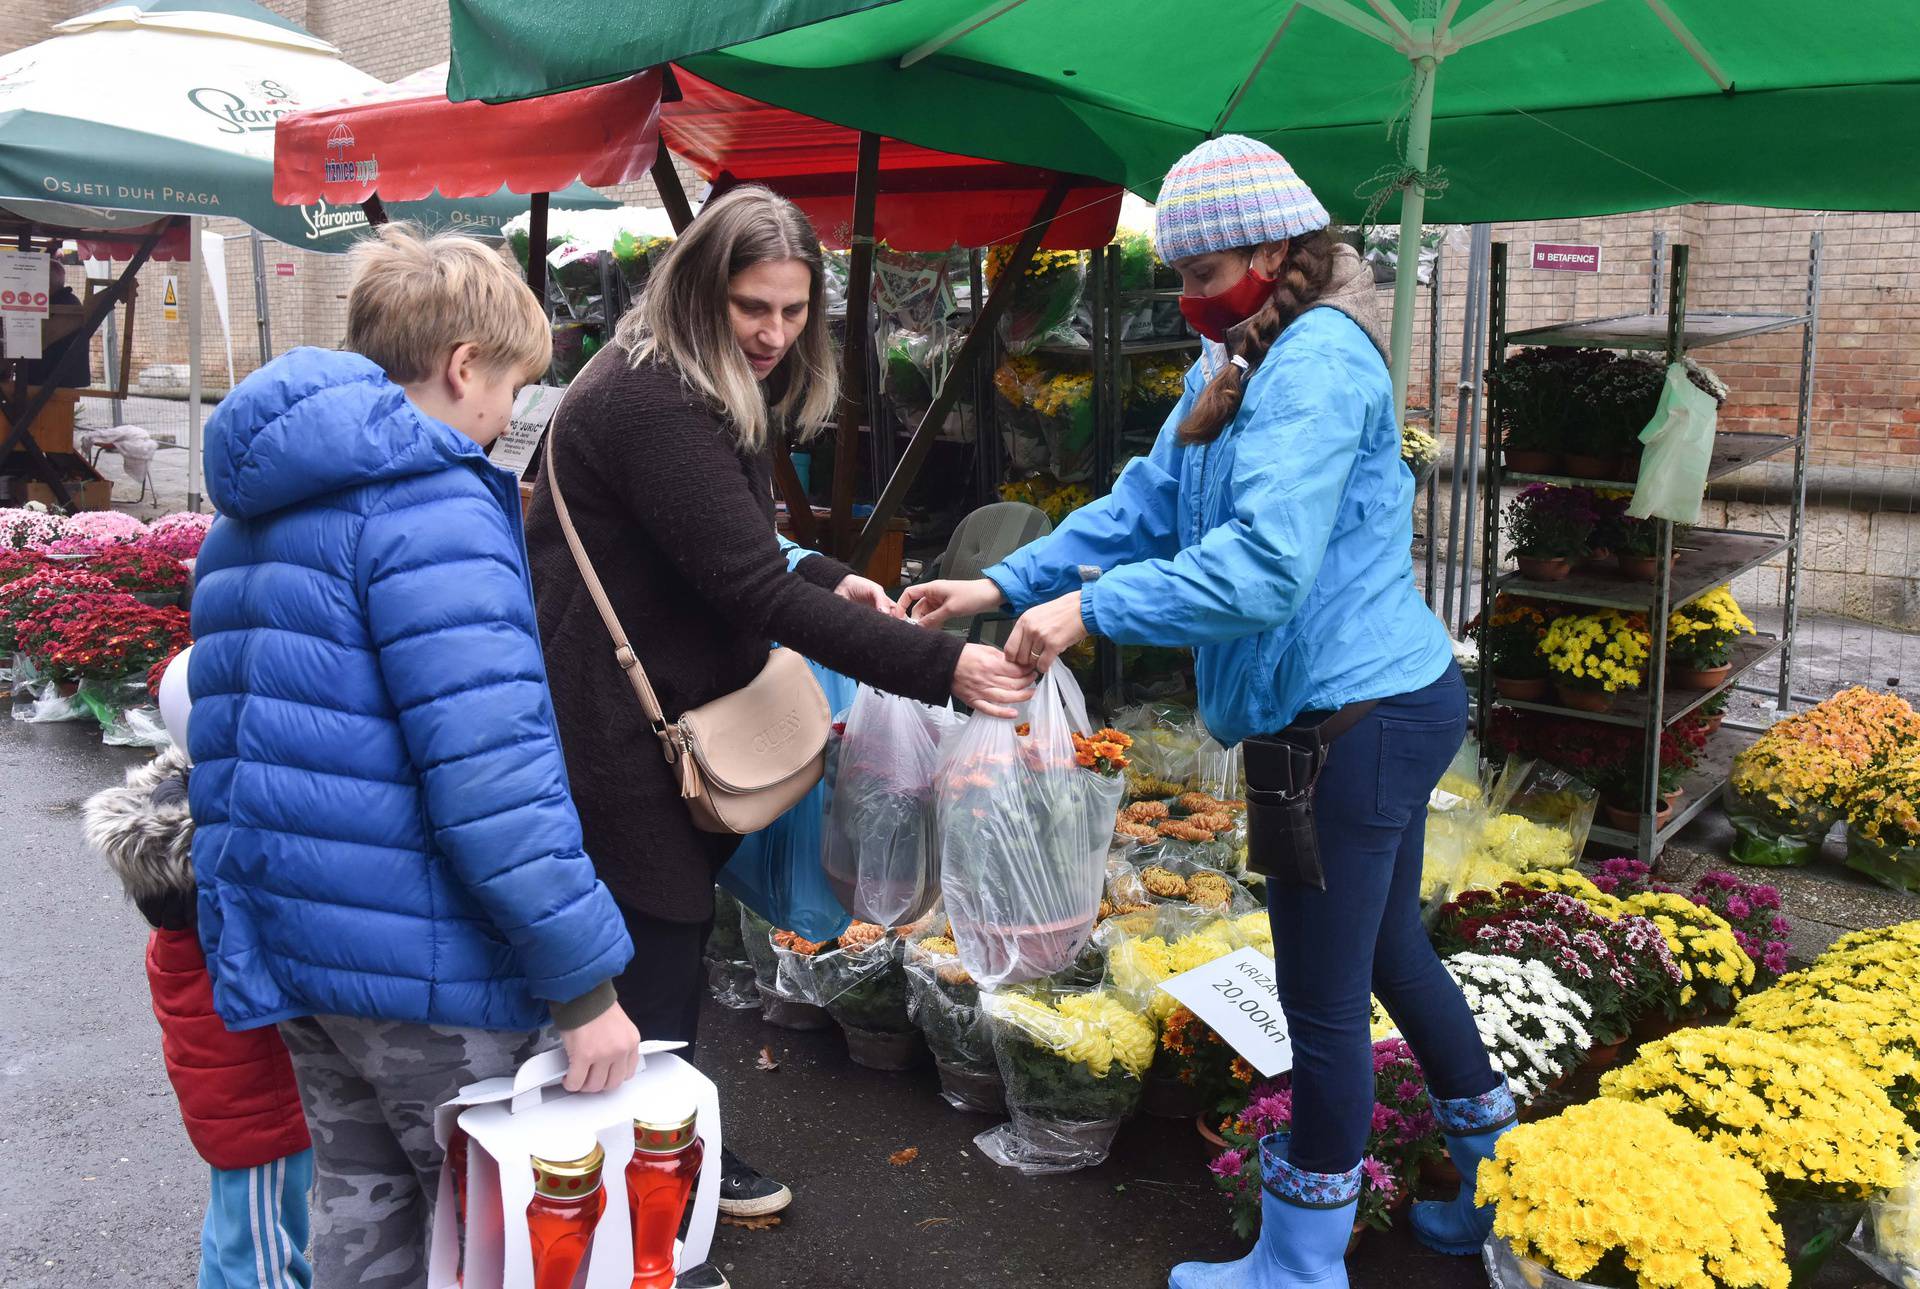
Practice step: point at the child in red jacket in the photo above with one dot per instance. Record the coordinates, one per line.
(236, 1091)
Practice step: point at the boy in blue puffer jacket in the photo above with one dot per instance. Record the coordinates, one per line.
(389, 864)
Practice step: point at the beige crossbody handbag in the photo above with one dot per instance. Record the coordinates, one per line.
(745, 758)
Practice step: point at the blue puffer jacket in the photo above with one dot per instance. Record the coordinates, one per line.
(1281, 551)
(383, 827)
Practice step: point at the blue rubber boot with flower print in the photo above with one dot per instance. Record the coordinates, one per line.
(1306, 1222)
(1471, 1126)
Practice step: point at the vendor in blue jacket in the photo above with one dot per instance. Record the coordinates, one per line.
(389, 863)
(1271, 531)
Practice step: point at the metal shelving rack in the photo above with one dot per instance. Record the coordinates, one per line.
(1707, 557)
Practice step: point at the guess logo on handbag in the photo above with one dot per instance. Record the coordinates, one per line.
(777, 734)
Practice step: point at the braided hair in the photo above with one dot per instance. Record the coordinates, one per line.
(1303, 280)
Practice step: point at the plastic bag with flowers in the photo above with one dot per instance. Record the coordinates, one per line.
(1888, 1238)
(1074, 1063)
(945, 1002)
(1023, 836)
(879, 853)
(1017, 383)
(1533, 1027)
(1167, 738)
(730, 977)
(872, 1007)
(1180, 939)
(1791, 785)
(1196, 828)
(1064, 404)
(1883, 821)
(1044, 298)
(1587, 1197)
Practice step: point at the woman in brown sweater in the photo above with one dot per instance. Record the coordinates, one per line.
(661, 449)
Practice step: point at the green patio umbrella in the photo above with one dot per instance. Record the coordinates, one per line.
(1498, 109)
(167, 107)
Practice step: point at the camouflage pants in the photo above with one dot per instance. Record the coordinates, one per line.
(369, 1089)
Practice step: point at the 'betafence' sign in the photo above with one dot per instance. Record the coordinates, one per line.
(1557, 258)
(1237, 997)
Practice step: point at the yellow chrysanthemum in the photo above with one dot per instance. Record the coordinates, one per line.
(1601, 1179)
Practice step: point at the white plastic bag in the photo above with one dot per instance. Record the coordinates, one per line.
(1679, 450)
(1888, 1237)
(1074, 1062)
(880, 856)
(1023, 834)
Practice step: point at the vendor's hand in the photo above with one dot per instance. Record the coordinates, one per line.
(1046, 631)
(940, 602)
(866, 591)
(603, 1053)
(988, 683)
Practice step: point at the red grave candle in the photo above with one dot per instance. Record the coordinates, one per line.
(567, 1204)
(660, 1177)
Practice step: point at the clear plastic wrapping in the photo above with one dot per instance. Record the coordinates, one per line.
(880, 853)
(1074, 1061)
(1023, 834)
(944, 1002)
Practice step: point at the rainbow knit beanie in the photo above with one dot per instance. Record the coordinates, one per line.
(1229, 193)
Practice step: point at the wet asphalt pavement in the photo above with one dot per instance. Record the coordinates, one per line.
(99, 1187)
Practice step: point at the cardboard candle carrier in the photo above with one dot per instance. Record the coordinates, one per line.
(509, 1122)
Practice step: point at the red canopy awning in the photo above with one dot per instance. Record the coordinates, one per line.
(929, 201)
(407, 141)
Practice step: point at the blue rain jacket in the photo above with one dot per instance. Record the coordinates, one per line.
(1281, 552)
(382, 822)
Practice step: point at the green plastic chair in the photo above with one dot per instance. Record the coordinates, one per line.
(983, 539)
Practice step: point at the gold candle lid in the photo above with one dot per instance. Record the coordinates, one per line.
(662, 1135)
(568, 1178)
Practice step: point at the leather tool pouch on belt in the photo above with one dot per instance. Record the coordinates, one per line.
(1281, 772)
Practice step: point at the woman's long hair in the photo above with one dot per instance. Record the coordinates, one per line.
(682, 321)
(1303, 280)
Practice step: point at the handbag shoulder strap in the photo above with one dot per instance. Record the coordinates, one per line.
(623, 653)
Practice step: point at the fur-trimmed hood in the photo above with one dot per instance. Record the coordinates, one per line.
(147, 838)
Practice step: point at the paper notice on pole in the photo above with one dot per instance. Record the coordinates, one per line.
(22, 338)
(532, 410)
(1237, 997)
(23, 285)
(170, 300)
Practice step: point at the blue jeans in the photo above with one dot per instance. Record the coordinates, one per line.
(1363, 935)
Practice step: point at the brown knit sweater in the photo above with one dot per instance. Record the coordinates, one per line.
(679, 526)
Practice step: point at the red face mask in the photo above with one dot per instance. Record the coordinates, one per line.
(1212, 315)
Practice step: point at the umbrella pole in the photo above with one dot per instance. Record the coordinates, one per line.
(673, 195)
(537, 248)
(1413, 211)
(853, 370)
(196, 277)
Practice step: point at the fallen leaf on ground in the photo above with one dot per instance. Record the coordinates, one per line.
(933, 1221)
(901, 1158)
(766, 1061)
(766, 1223)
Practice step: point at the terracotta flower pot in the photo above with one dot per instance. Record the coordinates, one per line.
(1523, 691)
(1584, 700)
(1582, 466)
(1629, 820)
(1600, 1056)
(1600, 562)
(1712, 723)
(1353, 1242)
(1203, 1124)
(1555, 569)
(1674, 798)
(1440, 1172)
(1521, 461)
(1709, 678)
(66, 688)
(1642, 568)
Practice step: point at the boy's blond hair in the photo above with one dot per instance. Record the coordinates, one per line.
(415, 298)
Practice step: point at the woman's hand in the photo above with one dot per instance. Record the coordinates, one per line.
(941, 602)
(1046, 631)
(865, 591)
(988, 683)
